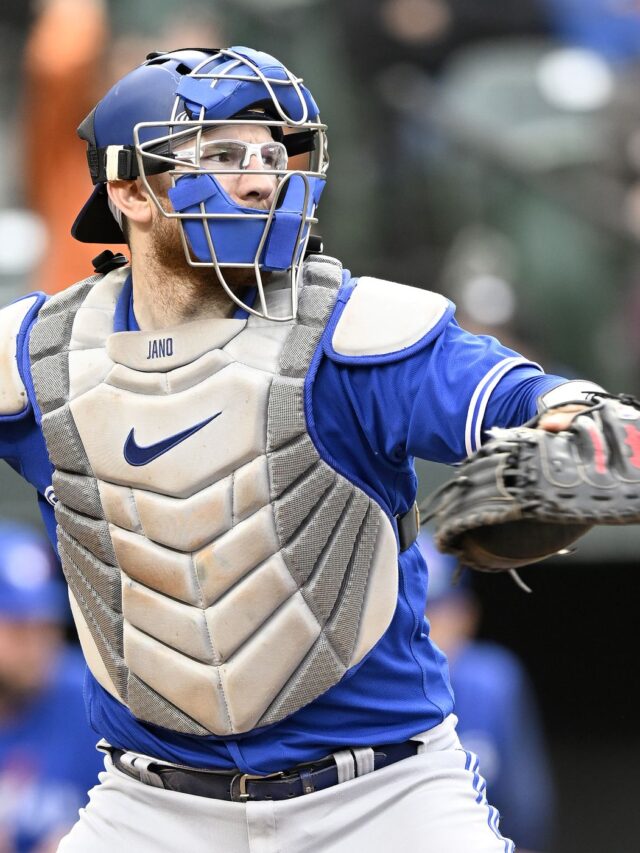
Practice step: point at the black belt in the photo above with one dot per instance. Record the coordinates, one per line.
(241, 787)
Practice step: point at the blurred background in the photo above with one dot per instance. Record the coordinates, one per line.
(488, 151)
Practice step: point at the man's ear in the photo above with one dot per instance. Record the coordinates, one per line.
(132, 199)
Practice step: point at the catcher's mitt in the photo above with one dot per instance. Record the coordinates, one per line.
(529, 493)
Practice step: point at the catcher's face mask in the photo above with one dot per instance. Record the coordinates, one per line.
(196, 131)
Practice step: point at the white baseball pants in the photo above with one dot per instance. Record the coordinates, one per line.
(433, 802)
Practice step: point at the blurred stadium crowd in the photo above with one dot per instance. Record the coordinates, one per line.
(489, 151)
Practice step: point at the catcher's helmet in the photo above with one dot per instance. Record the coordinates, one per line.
(141, 124)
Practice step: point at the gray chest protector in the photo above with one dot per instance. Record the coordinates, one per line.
(222, 575)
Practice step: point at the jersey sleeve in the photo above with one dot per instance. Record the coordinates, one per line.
(436, 402)
(416, 383)
(465, 384)
(370, 416)
(21, 442)
(15, 321)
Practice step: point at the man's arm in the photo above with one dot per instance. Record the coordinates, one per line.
(14, 401)
(21, 441)
(422, 386)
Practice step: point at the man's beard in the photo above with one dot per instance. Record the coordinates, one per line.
(194, 287)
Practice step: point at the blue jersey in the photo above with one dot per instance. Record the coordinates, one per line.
(499, 720)
(368, 417)
(48, 760)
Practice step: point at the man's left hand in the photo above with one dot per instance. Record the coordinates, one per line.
(560, 418)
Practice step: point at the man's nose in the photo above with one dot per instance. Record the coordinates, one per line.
(254, 185)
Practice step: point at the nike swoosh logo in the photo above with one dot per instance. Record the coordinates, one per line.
(137, 455)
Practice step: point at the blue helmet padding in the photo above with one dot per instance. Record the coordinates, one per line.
(229, 97)
(237, 240)
(241, 94)
(148, 94)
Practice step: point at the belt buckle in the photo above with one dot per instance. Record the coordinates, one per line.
(238, 788)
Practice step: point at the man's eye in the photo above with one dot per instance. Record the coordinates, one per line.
(219, 158)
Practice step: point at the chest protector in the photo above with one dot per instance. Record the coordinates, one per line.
(222, 575)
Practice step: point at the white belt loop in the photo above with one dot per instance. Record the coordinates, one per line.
(423, 740)
(364, 757)
(139, 766)
(442, 736)
(345, 765)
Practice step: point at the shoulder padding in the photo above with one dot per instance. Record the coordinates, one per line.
(13, 394)
(384, 319)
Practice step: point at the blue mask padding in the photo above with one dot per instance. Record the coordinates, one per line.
(317, 187)
(191, 190)
(237, 240)
(229, 97)
(281, 249)
(280, 246)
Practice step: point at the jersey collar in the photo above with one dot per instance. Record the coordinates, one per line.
(124, 319)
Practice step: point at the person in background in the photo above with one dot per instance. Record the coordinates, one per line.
(495, 703)
(64, 69)
(48, 759)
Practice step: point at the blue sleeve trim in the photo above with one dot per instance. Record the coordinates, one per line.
(347, 288)
(482, 395)
(22, 354)
(23, 341)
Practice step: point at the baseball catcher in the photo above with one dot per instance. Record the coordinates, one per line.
(221, 433)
